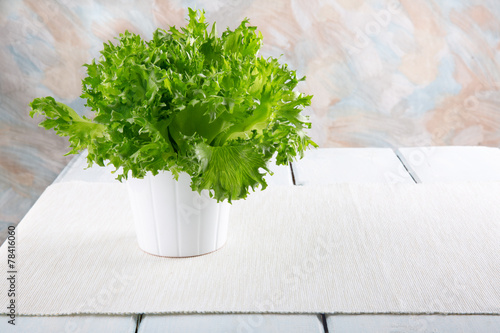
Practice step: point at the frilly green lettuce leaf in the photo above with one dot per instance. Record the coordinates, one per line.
(229, 171)
(187, 101)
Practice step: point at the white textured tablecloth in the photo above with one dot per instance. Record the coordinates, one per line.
(349, 248)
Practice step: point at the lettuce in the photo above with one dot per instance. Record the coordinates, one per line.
(187, 101)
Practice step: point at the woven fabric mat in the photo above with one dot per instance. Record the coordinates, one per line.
(351, 248)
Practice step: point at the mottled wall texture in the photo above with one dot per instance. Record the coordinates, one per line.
(384, 73)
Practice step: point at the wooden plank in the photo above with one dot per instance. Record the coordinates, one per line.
(452, 164)
(282, 174)
(415, 323)
(74, 324)
(77, 170)
(430, 165)
(350, 165)
(241, 323)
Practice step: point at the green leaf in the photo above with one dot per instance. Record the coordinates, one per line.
(66, 122)
(229, 171)
(187, 101)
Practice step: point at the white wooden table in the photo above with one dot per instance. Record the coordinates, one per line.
(322, 166)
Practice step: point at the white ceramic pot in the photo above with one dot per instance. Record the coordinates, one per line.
(171, 220)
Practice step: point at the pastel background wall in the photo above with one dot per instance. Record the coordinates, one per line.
(383, 73)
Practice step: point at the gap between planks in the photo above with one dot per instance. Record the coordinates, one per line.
(406, 165)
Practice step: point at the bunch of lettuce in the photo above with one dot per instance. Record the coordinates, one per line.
(187, 101)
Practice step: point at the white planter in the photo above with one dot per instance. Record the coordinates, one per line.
(171, 220)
